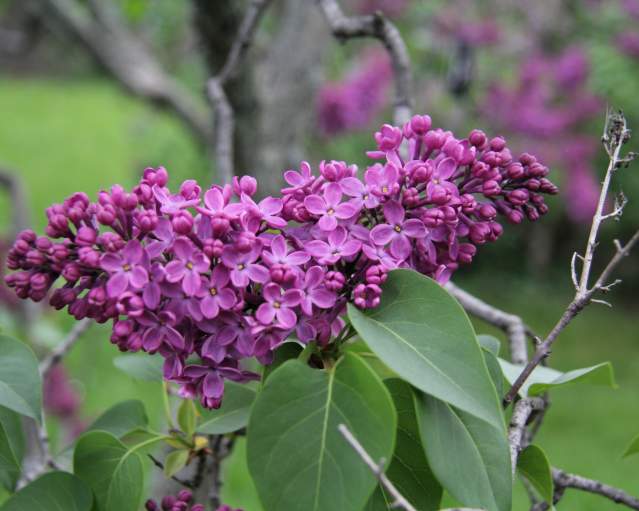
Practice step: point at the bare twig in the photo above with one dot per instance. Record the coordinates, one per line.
(399, 501)
(64, 347)
(224, 118)
(566, 480)
(615, 136)
(376, 25)
(221, 447)
(512, 325)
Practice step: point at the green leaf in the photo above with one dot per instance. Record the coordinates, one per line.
(114, 472)
(424, 335)
(409, 470)
(187, 417)
(287, 351)
(494, 369)
(633, 448)
(175, 461)
(141, 366)
(490, 343)
(534, 466)
(298, 458)
(543, 378)
(122, 418)
(361, 349)
(20, 382)
(469, 457)
(232, 415)
(55, 491)
(9, 463)
(13, 445)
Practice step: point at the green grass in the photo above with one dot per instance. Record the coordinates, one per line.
(67, 136)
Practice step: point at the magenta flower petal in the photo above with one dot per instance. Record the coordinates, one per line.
(117, 284)
(352, 186)
(382, 234)
(394, 212)
(265, 313)
(209, 307)
(323, 298)
(258, 273)
(351, 247)
(333, 194)
(175, 271)
(111, 262)
(317, 248)
(286, 317)
(292, 297)
(271, 206)
(315, 204)
(446, 168)
(297, 258)
(400, 247)
(414, 228)
(347, 210)
(327, 223)
(226, 298)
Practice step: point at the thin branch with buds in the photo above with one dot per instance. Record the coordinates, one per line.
(376, 25)
(224, 117)
(399, 501)
(616, 134)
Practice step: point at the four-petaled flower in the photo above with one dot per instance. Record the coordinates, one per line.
(129, 268)
(278, 305)
(336, 247)
(329, 208)
(397, 231)
(188, 266)
(242, 266)
(314, 292)
(215, 294)
(279, 254)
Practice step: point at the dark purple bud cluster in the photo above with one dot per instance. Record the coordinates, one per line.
(181, 502)
(207, 278)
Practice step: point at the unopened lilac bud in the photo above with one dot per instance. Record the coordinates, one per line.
(548, 187)
(491, 188)
(432, 218)
(367, 296)
(220, 225)
(21, 247)
(89, 257)
(434, 139)
(43, 244)
(411, 197)
(453, 149)
(111, 242)
(497, 143)
(212, 248)
(71, 272)
(123, 328)
(532, 184)
(515, 216)
(189, 189)
(329, 171)
(388, 138)
(439, 195)
(146, 220)
(161, 176)
(244, 184)
(245, 241)
(515, 171)
(468, 203)
(150, 505)
(518, 197)
(477, 138)
(334, 281)
(478, 233)
(180, 506)
(487, 211)
(466, 252)
(542, 208)
(532, 214)
(86, 236)
(27, 236)
(35, 258)
(537, 170)
(40, 281)
(376, 274)
(185, 496)
(421, 173)
(182, 222)
(167, 502)
(420, 124)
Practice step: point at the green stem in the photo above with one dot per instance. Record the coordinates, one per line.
(167, 405)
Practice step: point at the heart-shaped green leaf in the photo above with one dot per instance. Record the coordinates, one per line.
(55, 491)
(543, 378)
(114, 472)
(232, 415)
(469, 457)
(20, 382)
(424, 335)
(409, 470)
(533, 464)
(122, 418)
(140, 366)
(297, 457)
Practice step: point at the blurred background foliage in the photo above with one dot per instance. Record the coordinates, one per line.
(539, 73)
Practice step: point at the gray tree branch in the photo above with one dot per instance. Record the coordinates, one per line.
(377, 26)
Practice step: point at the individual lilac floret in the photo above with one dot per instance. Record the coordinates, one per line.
(126, 269)
(208, 279)
(329, 207)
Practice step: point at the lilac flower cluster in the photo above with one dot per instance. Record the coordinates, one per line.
(352, 103)
(180, 502)
(207, 278)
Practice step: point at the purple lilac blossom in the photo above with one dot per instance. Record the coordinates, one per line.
(210, 278)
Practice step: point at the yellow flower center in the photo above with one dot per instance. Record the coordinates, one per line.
(277, 305)
(398, 228)
(384, 189)
(213, 291)
(330, 211)
(240, 266)
(189, 265)
(126, 267)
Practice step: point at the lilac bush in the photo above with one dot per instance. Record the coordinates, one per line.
(207, 278)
